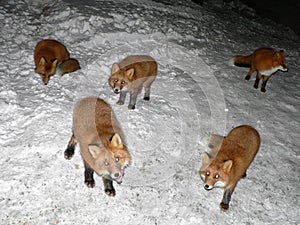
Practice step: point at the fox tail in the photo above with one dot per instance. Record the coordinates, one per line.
(242, 61)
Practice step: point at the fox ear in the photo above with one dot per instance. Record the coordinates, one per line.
(42, 61)
(205, 158)
(130, 73)
(115, 68)
(94, 150)
(226, 166)
(116, 141)
(54, 62)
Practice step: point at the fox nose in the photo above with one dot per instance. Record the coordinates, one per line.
(116, 90)
(207, 187)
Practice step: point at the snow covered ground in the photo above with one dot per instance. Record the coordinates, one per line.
(196, 93)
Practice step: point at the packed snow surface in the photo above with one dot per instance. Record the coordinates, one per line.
(196, 93)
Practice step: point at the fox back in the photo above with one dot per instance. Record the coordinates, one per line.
(227, 164)
(102, 143)
(265, 60)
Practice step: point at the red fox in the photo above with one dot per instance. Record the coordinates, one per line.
(265, 61)
(228, 160)
(102, 143)
(51, 54)
(130, 75)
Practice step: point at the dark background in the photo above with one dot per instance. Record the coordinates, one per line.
(286, 12)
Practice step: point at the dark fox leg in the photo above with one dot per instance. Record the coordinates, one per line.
(69, 152)
(108, 187)
(264, 83)
(147, 94)
(248, 76)
(89, 177)
(224, 205)
(133, 96)
(258, 77)
(122, 98)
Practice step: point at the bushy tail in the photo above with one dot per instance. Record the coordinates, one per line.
(242, 61)
(69, 66)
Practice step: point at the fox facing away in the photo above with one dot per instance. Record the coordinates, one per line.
(50, 55)
(130, 75)
(101, 141)
(265, 61)
(228, 160)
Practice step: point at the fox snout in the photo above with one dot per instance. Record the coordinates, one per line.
(208, 187)
(118, 176)
(116, 90)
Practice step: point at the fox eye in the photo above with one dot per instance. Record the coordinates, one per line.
(116, 80)
(123, 82)
(106, 164)
(117, 159)
(217, 176)
(207, 173)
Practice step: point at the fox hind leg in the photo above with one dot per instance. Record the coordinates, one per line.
(108, 187)
(248, 76)
(69, 152)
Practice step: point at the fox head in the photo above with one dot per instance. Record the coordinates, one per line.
(46, 69)
(214, 175)
(110, 163)
(120, 78)
(279, 60)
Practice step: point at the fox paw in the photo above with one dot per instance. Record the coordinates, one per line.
(131, 107)
(120, 102)
(90, 183)
(247, 77)
(110, 192)
(263, 90)
(69, 152)
(224, 207)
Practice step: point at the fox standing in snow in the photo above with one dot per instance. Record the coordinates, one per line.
(265, 61)
(101, 142)
(228, 160)
(50, 54)
(130, 75)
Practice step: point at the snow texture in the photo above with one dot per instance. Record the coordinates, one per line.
(196, 93)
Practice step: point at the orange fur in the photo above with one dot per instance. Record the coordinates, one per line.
(265, 61)
(228, 161)
(50, 54)
(130, 75)
(102, 143)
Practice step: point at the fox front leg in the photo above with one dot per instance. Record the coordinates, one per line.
(257, 79)
(224, 205)
(108, 187)
(147, 94)
(122, 98)
(89, 177)
(133, 97)
(264, 83)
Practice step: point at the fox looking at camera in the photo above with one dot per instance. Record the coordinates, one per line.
(229, 160)
(102, 143)
(130, 75)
